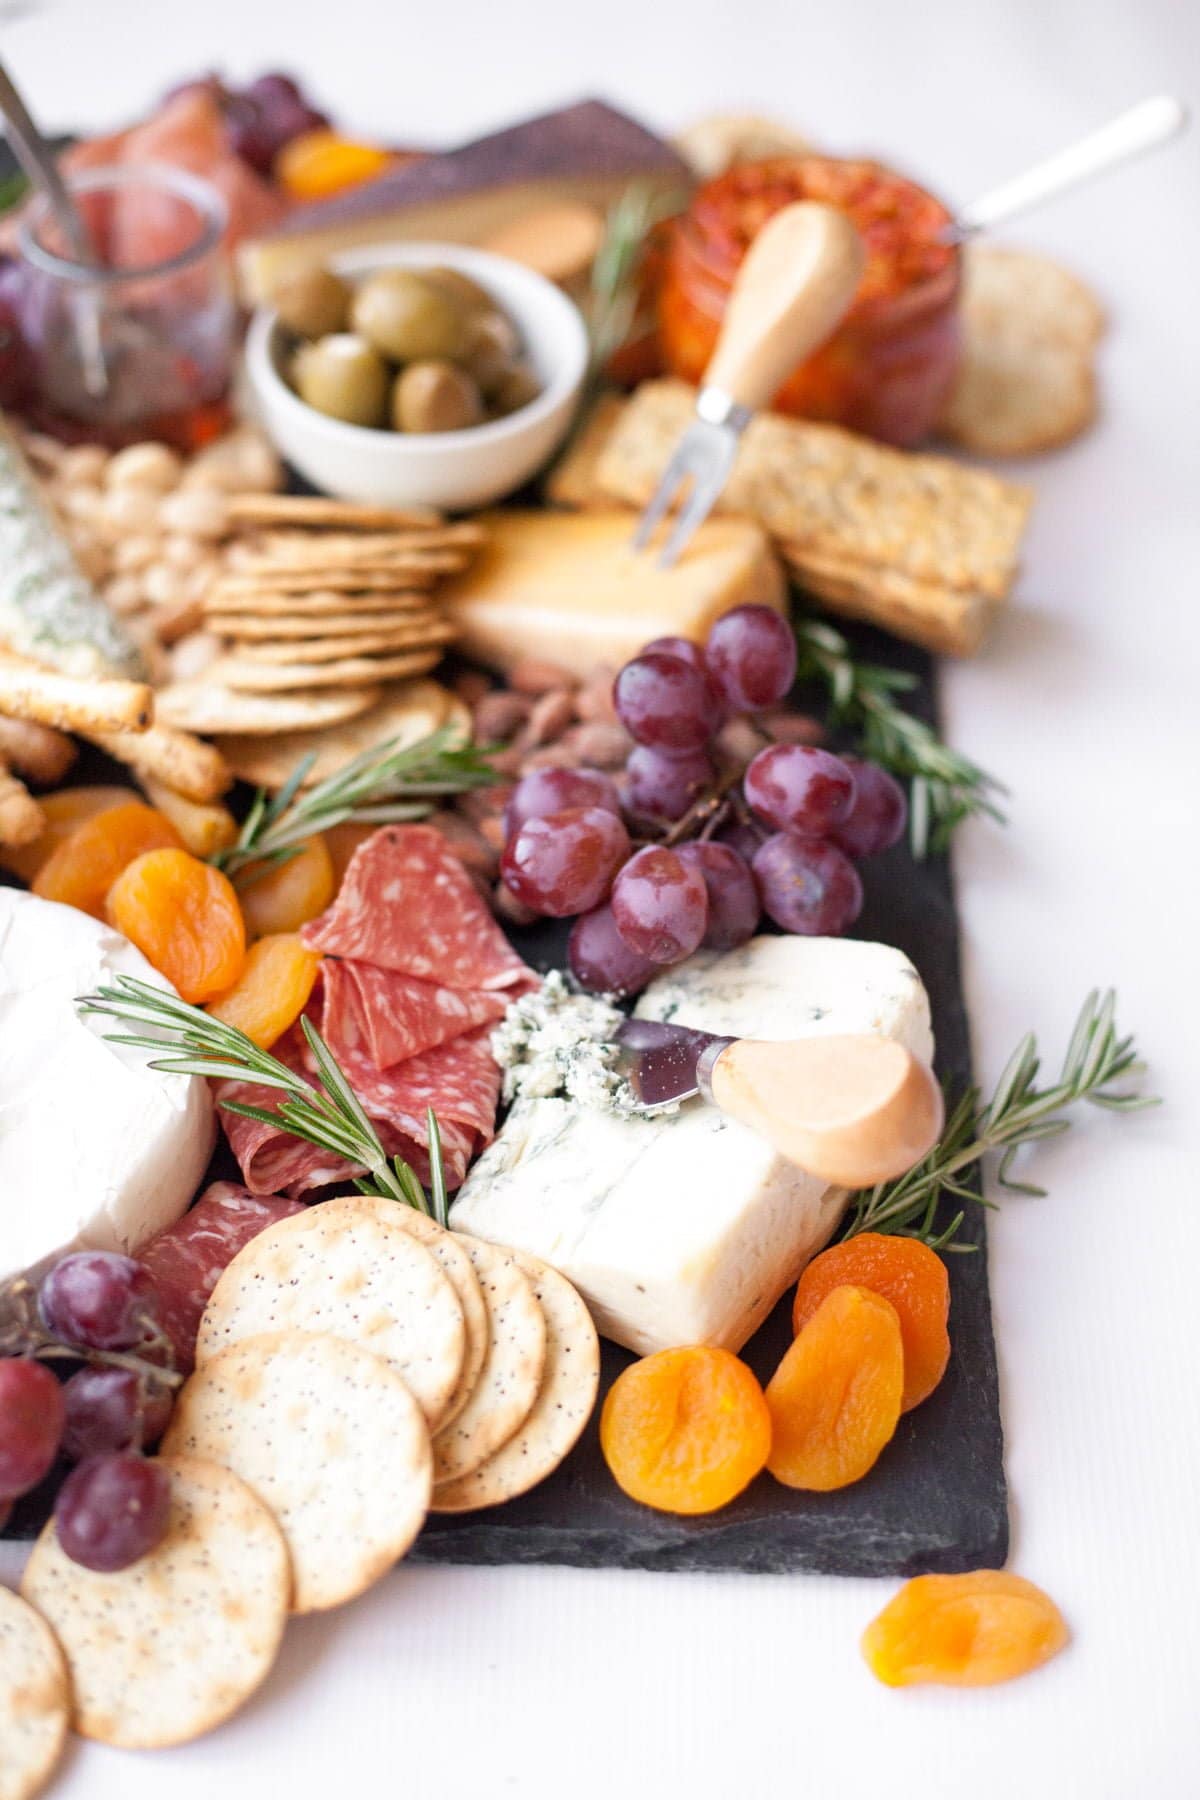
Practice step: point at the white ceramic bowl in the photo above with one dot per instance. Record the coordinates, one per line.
(453, 470)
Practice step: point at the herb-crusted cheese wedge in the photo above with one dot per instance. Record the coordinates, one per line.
(48, 609)
(686, 1229)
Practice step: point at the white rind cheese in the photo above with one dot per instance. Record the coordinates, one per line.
(685, 1229)
(97, 1149)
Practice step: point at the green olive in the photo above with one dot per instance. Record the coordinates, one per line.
(344, 377)
(467, 295)
(313, 302)
(435, 396)
(491, 350)
(406, 318)
(519, 388)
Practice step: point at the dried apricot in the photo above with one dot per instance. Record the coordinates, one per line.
(685, 1430)
(272, 989)
(909, 1274)
(342, 841)
(87, 862)
(834, 1400)
(964, 1630)
(286, 896)
(64, 811)
(184, 917)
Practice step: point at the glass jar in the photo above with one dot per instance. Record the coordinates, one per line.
(888, 368)
(139, 344)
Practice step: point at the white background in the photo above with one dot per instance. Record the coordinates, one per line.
(480, 1682)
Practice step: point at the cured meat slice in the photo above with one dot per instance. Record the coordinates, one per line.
(187, 1259)
(399, 1016)
(407, 904)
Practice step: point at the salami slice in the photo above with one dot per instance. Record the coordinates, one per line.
(187, 1259)
(400, 1016)
(407, 904)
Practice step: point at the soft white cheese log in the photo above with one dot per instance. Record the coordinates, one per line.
(97, 1149)
(686, 1229)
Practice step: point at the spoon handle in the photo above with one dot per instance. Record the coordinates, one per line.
(35, 158)
(1142, 127)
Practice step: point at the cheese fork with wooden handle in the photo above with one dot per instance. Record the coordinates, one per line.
(795, 283)
(851, 1110)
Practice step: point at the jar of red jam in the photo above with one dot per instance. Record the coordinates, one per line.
(889, 366)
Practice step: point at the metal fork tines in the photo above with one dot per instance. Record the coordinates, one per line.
(703, 457)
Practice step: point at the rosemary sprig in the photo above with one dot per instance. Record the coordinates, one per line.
(329, 1116)
(945, 786)
(384, 785)
(1018, 1113)
(612, 301)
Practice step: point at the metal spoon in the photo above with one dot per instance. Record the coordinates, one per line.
(37, 160)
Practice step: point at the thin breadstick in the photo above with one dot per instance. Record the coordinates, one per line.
(37, 752)
(185, 764)
(27, 691)
(21, 818)
(203, 827)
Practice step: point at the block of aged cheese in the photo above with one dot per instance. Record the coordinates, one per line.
(588, 153)
(568, 588)
(686, 1228)
(97, 1149)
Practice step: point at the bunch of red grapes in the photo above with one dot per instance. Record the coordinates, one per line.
(113, 1507)
(260, 118)
(802, 817)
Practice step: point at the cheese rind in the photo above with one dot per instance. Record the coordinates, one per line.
(686, 1228)
(569, 588)
(97, 1149)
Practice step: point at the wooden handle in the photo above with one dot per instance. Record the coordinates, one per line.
(798, 277)
(853, 1110)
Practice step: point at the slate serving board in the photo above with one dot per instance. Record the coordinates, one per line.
(936, 1500)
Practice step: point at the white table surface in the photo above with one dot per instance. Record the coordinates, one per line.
(480, 1682)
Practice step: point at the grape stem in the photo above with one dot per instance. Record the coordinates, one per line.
(23, 1334)
(705, 809)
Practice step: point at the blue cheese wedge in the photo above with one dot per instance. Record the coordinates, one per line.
(48, 609)
(686, 1228)
(97, 1149)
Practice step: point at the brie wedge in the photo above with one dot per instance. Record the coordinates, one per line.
(686, 1228)
(97, 1149)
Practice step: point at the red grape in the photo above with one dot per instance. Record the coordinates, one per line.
(660, 905)
(111, 1409)
(565, 863)
(733, 903)
(113, 1510)
(751, 656)
(796, 788)
(663, 787)
(744, 836)
(807, 885)
(32, 1410)
(545, 791)
(600, 959)
(99, 1300)
(879, 814)
(681, 647)
(6, 1507)
(666, 702)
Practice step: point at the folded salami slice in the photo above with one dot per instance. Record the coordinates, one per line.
(407, 904)
(188, 1258)
(398, 1016)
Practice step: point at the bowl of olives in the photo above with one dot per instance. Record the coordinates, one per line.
(418, 374)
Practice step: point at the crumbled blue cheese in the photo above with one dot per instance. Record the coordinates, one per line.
(48, 609)
(556, 1043)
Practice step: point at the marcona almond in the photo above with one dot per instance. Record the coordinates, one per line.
(195, 513)
(152, 467)
(551, 715)
(129, 554)
(529, 676)
(499, 715)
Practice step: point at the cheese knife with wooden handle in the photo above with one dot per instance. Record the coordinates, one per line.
(852, 1110)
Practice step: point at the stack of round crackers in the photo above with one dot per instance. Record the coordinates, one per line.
(317, 604)
(357, 1366)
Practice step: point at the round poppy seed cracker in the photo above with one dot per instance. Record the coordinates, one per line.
(459, 1271)
(408, 712)
(351, 671)
(506, 1390)
(273, 628)
(316, 510)
(329, 1438)
(164, 1650)
(207, 706)
(390, 640)
(35, 1699)
(363, 1280)
(318, 603)
(564, 1403)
